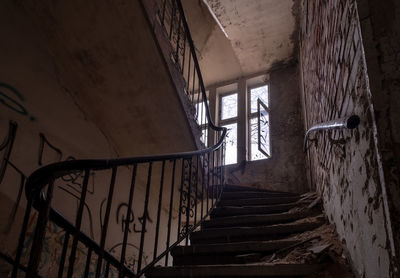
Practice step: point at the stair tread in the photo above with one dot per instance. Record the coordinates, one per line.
(237, 188)
(246, 210)
(243, 232)
(233, 248)
(254, 219)
(258, 201)
(255, 194)
(232, 270)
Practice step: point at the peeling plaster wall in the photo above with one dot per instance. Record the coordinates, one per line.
(261, 35)
(344, 165)
(380, 28)
(82, 81)
(259, 31)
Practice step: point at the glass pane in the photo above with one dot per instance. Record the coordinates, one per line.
(231, 144)
(255, 154)
(229, 106)
(256, 93)
(201, 117)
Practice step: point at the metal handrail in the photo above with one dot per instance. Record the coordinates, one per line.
(41, 177)
(343, 123)
(201, 169)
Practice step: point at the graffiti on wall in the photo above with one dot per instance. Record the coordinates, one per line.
(13, 99)
(11, 176)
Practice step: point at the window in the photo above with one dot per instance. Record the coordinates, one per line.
(256, 139)
(228, 118)
(248, 122)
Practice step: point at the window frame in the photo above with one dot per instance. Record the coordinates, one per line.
(254, 115)
(233, 120)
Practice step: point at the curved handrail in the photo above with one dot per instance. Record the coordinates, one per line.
(41, 177)
(348, 122)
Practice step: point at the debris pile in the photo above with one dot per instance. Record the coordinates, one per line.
(318, 246)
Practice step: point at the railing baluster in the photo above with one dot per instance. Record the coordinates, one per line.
(159, 210)
(40, 231)
(193, 82)
(202, 187)
(184, 53)
(208, 180)
(171, 198)
(21, 238)
(127, 221)
(163, 12)
(188, 201)
(63, 255)
(180, 198)
(218, 174)
(198, 101)
(223, 166)
(87, 264)
(106, 220)
(178, 40)
(188, 77)
(78, 223)
(213, 179)
(145, 215)
(107, 270)
(195, 190)
(172, 19)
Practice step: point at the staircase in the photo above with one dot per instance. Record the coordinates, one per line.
(168, 199)
(245, 233)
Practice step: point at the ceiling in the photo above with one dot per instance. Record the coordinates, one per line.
(259, 34)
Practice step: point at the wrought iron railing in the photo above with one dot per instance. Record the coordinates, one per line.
(171, 17)
(173, 193)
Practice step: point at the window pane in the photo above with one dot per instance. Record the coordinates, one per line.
(255, 154)
(201, 113)
(229, 107)
(256, 93)
(231, 144)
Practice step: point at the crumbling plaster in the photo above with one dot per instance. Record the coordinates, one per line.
(345, 166)
(259, 30)
(259, 35)
(380, 28)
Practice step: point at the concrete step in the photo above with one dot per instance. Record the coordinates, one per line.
(217, 259)
(237, 188)
(258, 201)
(232, 248)
(235, 234)
(253, 194)
(253, 270)
(223, 211)
(254, 220)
